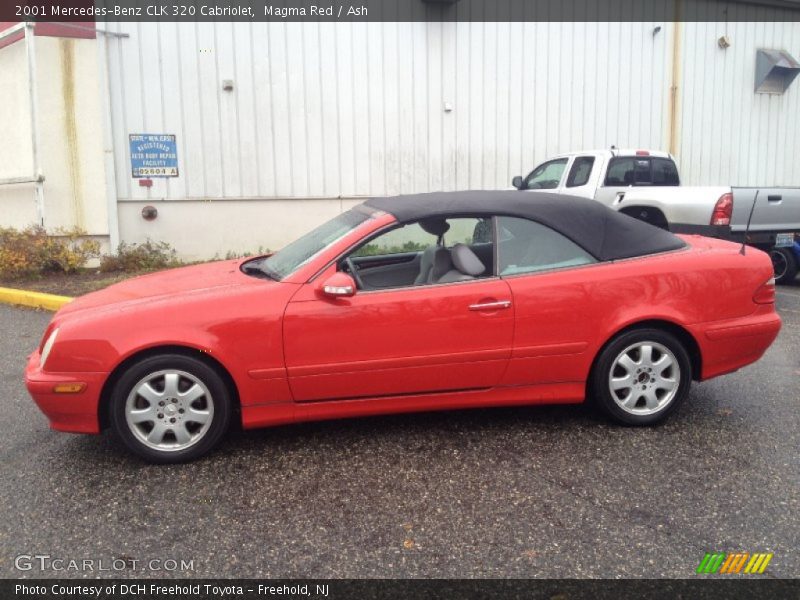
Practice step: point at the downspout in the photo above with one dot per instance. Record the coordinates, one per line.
(673, 128)
(108, 144)
(30, 51)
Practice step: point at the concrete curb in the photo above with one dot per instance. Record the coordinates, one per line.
(32, 299)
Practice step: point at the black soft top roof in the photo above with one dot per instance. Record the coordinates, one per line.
(603, 232)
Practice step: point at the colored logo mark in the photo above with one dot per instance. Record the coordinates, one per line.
(734, 562)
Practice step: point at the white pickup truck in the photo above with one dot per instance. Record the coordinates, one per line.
(645, 184)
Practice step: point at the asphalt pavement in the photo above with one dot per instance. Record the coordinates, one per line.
(524, 492)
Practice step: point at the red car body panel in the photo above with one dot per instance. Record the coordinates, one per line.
(402, 341)
(294, 354)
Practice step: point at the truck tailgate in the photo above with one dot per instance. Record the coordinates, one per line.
(777, 209)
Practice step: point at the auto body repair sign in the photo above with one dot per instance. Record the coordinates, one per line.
(153, 155)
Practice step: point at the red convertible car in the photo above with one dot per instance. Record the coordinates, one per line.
(412, 303)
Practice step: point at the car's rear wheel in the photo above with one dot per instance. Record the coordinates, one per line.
(170, 408)
(641, 376)
(784, 264)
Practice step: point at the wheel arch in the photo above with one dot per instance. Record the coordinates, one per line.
(105, 394)
(656, 216)
(684, 336)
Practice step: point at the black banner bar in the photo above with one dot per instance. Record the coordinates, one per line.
(252, 589)
(399, 10)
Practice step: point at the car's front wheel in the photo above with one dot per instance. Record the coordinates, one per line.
(641, 376)
(170, 408)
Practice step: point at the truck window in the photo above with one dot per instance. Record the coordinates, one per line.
(546, 176)
(620, 172)
(638, 170)
(665, 172)
(580, 171)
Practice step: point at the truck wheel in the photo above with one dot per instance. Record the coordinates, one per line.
(653, 216)
(784, 264)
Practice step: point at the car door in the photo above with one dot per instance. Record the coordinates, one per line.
(400, 339)
(554, 311)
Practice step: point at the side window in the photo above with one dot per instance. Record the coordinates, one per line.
(665, 172)
(580, 171)
(431, 251)
(628, 170)
(527, 247)
(620, 172)
(546, 176)
(408, 238)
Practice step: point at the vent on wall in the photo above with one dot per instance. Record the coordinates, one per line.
(775, 71)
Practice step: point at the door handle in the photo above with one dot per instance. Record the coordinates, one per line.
(497, 305)
(774, 198)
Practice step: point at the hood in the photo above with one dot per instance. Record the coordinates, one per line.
(170, 283)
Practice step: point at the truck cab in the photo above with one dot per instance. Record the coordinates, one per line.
(603, 175)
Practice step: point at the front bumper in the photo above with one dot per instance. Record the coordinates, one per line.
(78, 412)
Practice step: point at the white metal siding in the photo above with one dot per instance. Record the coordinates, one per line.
(353, 109)
(729, 134)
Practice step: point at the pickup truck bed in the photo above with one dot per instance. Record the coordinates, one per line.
(777, 211)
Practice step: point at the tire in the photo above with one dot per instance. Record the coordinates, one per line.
(653, 216)
(634, 391)
(784, 264)
(170, 408)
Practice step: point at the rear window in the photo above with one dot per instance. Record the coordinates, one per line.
(641, 170)
(665, 172)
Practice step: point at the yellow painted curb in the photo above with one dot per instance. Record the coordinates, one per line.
(33, 299)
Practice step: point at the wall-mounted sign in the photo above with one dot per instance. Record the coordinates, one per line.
(153, 155)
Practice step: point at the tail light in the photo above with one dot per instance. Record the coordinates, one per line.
(723, 210)
(766, 293)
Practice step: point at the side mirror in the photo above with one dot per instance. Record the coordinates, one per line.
(338, 285)
(517, 182)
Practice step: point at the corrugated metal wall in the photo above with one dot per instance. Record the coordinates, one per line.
(728, 133)
(341, 109)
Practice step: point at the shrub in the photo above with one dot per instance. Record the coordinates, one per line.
(148, 256)
(32, 252)
(232, 254)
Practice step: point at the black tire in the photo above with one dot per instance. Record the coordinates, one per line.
(173, 408)
(784, 264)
(653, 216)
(646, 391)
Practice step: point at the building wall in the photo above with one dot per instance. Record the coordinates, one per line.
(330, 110)
(17, 202)
(322, 114)
(70, 135)
(729, 134)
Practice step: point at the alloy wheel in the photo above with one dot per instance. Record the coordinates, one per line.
(169, 410)
(644, 378)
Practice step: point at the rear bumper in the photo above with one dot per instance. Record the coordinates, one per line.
(730, 345)
(77, 413)
(724, 232)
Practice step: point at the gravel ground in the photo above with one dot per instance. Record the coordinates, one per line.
(531, 492)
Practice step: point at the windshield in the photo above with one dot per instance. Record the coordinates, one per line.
(299, 252)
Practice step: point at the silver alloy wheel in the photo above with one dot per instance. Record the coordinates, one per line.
(169, 410)
(644, 378)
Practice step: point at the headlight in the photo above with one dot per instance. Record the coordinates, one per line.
(48, 345)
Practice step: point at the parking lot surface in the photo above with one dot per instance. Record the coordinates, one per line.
(522, 492)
